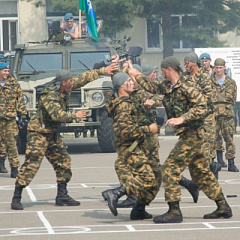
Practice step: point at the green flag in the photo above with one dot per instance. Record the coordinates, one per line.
(86, 6)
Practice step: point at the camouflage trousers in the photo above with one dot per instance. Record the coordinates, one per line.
(208, 146)
(55, 150)
(188, 153)
(225, 130)
(8, 141)
(138, 172)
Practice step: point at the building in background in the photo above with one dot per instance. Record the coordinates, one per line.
(22, 22)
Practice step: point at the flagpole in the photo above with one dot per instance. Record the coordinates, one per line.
(80, 23)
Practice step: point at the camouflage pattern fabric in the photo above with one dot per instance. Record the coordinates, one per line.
(139, 175)
(225, 130)
(42, 138)
(38, 146)
(8, 146)
(187, 152)
(224, 98)
(184, 99)
(11, 100)
(11, 105)
(146, 116)
(204, 83)
(3, 147)
(209, 145)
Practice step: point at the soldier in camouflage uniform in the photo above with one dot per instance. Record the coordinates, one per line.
(186, 108)
(145, 109)
(43, 140)
(11, 105)
(205, 58)
(138, 175)
(194, 72)
(224, 97)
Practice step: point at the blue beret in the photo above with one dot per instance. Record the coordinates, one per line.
(205, 56)
(68, 16)
(3, 65)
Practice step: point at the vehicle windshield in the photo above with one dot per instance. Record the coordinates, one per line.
(41, 62)
(54, 61)
(86, 60)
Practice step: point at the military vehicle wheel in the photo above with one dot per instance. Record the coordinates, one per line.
(105, 133)
(21, 143)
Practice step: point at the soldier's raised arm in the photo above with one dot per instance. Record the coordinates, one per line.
(92, 75)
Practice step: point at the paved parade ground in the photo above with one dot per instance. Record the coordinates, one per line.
(93, 173)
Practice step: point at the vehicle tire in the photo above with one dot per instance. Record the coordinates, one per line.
(21, 143)
(105, 133)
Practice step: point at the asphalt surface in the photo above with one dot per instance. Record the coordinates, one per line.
(93, 172)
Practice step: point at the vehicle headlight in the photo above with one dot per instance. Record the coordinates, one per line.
(25, 98)
(97, 97)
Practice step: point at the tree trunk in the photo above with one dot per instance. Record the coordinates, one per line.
(167, 33)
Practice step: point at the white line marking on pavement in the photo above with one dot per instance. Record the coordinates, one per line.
(118, 228)
(209, 225)
(130, 228)
(31, 195)
(45, 222)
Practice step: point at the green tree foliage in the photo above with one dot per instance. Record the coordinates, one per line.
(204, 19)
(65, 6)
(116, 15)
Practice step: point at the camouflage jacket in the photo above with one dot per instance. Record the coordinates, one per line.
(182, 100)
(145, 115)
(53, 105)
(224, 97)
(203, 80)
(11, 100)
(126, 129)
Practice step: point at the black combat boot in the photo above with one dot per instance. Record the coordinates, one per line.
(14, 172)
(173, 215)
(16, 200)
(63, 198)
(138, 212)
(231, 166)
(223, 209)
(127, 203)
(191, 187)
(215, 167)
(220, 159)
(2, 166)
(112, 196)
